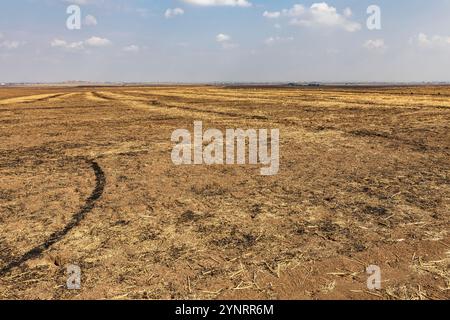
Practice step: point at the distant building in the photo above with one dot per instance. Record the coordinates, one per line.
(2, 84)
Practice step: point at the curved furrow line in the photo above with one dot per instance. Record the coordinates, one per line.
(75, 221)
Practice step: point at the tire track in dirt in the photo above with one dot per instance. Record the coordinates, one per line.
(33, 98)
(96, 97)
(102, 96)
(142, 102)
(221, 113)
(27, 100)
(47, 98)
(75, 221)
(48, 108)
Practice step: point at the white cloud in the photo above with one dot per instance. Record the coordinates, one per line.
(376, 45)
(296, 11)
(318, 15)
(58, 43)
(170, 13)
(90, 20)
(97, 42)
(436, 41)
(222, 37)
(80, 45)
(272, 15)
(323, 15)
(274, 40)
(225, 41)
(132, 48)
(230, 3)
(8, 44)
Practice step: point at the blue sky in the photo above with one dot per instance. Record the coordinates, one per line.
(224, 40)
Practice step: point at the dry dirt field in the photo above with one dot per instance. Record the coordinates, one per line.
(86, 178)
